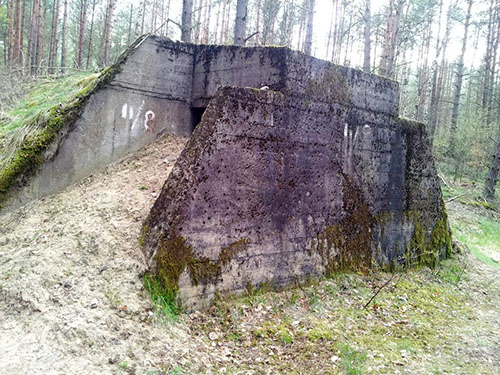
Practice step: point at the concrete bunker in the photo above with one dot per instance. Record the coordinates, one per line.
(315, 174)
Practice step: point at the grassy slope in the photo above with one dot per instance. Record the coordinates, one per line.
(43, 95)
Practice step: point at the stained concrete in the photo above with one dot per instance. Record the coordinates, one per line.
(314, 174)
(159, 88)
(274, 188)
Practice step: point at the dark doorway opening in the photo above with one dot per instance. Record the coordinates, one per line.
(196, 114)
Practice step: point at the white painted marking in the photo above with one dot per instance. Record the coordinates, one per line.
(124, 110)
(136, 120)
(148, 119)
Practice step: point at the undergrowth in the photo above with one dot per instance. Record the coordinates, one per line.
(164, 303)
(45, 94)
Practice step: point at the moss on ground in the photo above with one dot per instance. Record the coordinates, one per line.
(323, 328)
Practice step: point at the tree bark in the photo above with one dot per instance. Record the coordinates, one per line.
(458, 85)
(106, 37)
(91, 32)
(309, 29)
(53, 37)
(63, 36)
(81, 32)
(367, 37)
(387, 60)
(492, 178)
(187, 14)
(241, 22)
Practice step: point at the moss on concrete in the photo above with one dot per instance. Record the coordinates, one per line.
(175, 255)
(347, 244)
(331, 87)
(428, 248)
(32, 152)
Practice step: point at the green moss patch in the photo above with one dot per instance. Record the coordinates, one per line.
(175, 255)
(31, 153)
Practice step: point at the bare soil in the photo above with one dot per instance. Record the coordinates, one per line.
(72, 301)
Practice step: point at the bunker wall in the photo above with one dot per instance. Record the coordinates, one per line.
(270, 189)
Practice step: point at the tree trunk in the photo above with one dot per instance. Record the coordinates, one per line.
(228, 18)
(241, 22)
(458, 85)
(491, 179)
(167, 18)
(53, 37)
(367, 37)
(63, 36)
(129, 33)
(335, 30)
(390, 43)
(187, 14)
(40, 36)
(206, 29)
(81, 32)
(91, 31)
(106, 37)
(143, 16)
(21, 35)
(257, 23)
(309, 29)
(435, 92)
(199, 22)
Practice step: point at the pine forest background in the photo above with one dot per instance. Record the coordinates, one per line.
(445, 53)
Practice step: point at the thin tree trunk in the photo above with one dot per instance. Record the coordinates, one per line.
(199, 22)
(309, 29)
(206, 29)
(335, 30)
(458, 85)
(228, 18)
(63, 36)
(367, 37)
(53, 37)
(143, 16)
(257, 25)
(187, 14)
(81, 33)
(423, 75)
(91, 32)
(167, 18)
(10, 54)
(21, 35)
(43, 14)
(329, 39)
(434, 100)
(241, 22)
(106, 38)
(492, 178)
(129, 34)
(387, 60)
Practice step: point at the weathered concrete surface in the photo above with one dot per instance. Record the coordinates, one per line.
(278, 187)
(161, 81)
(149, 97)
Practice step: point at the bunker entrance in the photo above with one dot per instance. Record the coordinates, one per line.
(196, 114)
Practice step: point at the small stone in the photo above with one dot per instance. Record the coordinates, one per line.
(334, 359)
(213, 336)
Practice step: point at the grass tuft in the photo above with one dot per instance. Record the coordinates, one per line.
(163, 301)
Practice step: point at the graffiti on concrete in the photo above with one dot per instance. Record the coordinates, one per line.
(149, 123)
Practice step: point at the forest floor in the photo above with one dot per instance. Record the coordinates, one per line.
(72, 300)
